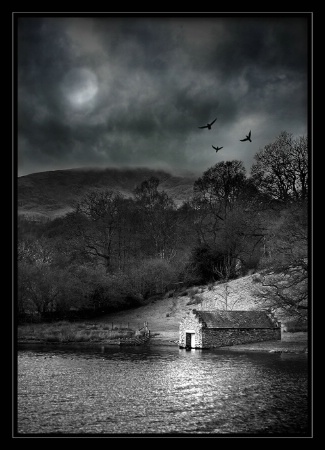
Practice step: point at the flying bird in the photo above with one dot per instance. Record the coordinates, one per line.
(217, 148)
(247, 138)
(209, 125)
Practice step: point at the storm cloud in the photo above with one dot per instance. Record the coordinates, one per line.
(118, 91)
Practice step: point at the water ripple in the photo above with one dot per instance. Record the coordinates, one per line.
(157, 391)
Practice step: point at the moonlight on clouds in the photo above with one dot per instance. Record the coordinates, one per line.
(80, 87)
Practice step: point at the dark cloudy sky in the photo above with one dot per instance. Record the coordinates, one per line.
(132, 91)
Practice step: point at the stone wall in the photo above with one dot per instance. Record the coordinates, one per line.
(220, 337)
(236, 336)
(190, 322)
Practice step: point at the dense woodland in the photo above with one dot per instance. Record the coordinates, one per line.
(113, 252)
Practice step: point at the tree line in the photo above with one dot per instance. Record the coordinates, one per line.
(113, 252)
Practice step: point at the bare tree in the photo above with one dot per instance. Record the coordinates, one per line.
(160, 219)
(97, 223)
(281, 168)
(223, 275)
(38, 288)
(37, 251)
(215, 195)
(284, 278)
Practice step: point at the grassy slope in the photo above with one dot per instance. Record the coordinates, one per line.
(163, 315)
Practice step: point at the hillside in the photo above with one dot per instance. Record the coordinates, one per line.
(163, 315)
(52, 194)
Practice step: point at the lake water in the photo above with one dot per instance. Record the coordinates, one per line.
(133, 391)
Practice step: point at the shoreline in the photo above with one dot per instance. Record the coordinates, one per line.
(282, 346)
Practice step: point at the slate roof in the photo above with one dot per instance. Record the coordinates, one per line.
(235, 319)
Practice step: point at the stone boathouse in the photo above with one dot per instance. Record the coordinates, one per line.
(210, 329)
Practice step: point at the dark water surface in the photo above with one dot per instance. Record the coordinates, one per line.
(161, 390)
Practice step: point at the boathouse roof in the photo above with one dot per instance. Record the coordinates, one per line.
(235, 319)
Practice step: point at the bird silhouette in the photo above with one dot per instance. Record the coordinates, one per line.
(209, 125)
(217, 148)
(247, 138)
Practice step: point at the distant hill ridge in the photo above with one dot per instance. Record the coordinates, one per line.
(52, 194)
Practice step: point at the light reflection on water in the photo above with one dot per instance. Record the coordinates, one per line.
(161, 390)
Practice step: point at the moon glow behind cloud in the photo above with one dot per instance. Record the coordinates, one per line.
(80, 87)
